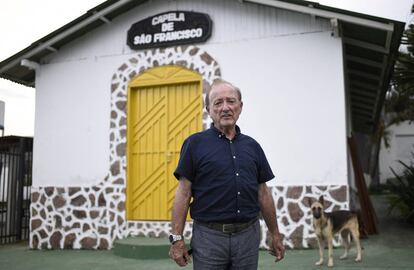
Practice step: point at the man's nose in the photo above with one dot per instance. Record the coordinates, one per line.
(226, 106)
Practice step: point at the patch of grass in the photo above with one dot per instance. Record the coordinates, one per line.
(402, 192)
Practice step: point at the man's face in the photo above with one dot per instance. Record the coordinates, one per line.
(225, 106)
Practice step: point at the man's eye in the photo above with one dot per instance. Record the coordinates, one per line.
(218, 102)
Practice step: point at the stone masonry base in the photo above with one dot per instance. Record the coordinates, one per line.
(93, 217)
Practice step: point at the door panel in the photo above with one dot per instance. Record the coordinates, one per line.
(160, 116)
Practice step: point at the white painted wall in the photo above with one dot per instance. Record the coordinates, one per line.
(71, 144)
(287, 65)
(401, 148)
(293, 103)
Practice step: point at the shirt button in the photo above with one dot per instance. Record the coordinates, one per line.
(238, 193)
(231, 141)
(237, 174)
(238, 211)
(234, 157)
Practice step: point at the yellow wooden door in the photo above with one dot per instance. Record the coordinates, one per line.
(164, 108)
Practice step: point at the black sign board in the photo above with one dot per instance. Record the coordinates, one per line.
(168, 29)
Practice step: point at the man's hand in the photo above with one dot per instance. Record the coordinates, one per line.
(178, 252)
(276, 248)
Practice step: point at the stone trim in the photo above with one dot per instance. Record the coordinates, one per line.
(92, 218)
(293, 213)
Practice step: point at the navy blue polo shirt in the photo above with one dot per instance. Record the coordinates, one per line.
(225, 175)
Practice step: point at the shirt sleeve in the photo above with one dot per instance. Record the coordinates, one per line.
(185, 167)
(265, 172)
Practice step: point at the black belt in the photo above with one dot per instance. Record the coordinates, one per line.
(228, 227)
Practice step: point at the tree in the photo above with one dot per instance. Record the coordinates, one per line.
(399, 104)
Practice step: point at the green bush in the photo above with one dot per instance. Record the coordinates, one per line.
(402, 192)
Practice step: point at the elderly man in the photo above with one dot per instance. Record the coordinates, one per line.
(225, 172)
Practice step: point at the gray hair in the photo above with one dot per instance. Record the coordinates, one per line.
(216, 83)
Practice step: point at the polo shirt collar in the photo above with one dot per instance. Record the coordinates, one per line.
(221, 134)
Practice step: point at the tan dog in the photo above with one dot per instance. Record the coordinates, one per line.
(328, 224)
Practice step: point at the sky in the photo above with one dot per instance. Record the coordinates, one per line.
(21, 23)
(24, 21)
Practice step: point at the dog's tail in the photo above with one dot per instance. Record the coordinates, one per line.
(363, 234)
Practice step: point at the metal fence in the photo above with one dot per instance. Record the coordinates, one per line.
(15, 182)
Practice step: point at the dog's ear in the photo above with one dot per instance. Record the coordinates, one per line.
(321, 199)
(309, 201)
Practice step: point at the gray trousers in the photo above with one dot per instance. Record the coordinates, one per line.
(217, 250)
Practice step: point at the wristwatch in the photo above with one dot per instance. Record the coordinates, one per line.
(175, 237)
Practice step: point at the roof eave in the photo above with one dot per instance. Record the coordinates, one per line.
(93, 18)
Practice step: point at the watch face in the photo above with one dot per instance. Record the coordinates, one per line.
(174, 238)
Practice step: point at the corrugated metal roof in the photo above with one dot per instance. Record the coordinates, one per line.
(369, 56)
(370, 45)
